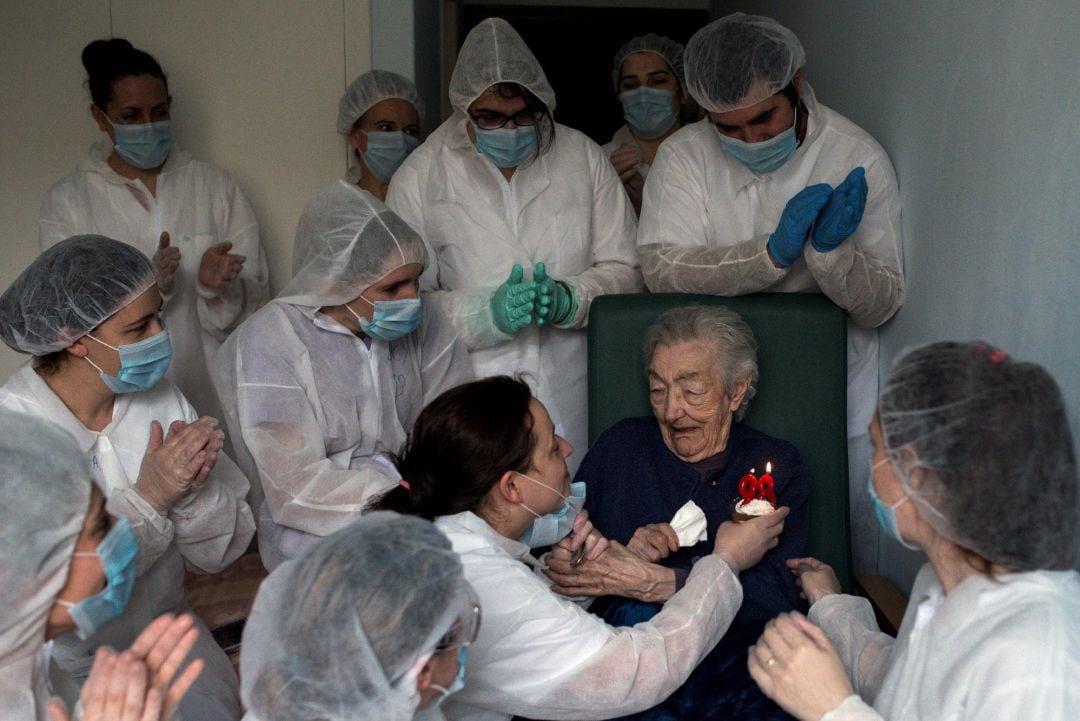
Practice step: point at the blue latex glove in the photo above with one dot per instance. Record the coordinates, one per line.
(842, 214)
(556, 302)
(786, 243)
(512, 302)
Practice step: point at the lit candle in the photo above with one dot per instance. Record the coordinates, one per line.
(766, 485)
(748, 486)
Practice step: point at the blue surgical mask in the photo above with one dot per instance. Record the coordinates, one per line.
(553, 527)
(386, 151)
(391, 320)
(142, 364)
(117, 552)
(886, 515)
(766, 156)
(507, 147)
(145, 145)
(459, 681)
(648, 111)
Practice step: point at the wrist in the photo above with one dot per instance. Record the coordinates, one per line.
(156, 501)
(774, 256)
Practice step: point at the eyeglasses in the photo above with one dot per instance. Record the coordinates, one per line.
(489, 120)
(466, 625)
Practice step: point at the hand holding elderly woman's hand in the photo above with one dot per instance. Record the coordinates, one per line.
(654, 542)
(796, 666)
(615, 572)
(745, 543)
(179, 464)
(583, 544)
(815, 579)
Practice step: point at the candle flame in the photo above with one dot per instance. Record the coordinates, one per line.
(768, 467)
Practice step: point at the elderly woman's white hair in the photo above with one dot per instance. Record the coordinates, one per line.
(736, 348)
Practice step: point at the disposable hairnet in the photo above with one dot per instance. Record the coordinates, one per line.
(345, 241)
(669, 50)
(44, 497)
(740, 60)
(494, 53)
(373, 87)
(353, 616)
(993, 435)
(69, 290)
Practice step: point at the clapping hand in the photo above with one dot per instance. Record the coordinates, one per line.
(219, 267)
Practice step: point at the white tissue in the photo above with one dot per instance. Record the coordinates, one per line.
(690, 525)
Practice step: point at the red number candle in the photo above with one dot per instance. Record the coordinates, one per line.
(766, 485)
(749, 486)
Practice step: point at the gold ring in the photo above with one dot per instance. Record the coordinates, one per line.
(771, 662)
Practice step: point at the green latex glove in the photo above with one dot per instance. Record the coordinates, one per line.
(512, 303)
(556, 302)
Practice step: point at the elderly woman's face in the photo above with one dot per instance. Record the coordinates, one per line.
(690, 399)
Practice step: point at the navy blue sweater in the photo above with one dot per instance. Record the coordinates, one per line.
(632, 480)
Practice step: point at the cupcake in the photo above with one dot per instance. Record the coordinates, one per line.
(745, 510)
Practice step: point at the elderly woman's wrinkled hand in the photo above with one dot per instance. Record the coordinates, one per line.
(615, 572)
(815, 579)
(583, 544)
(745, 543)
(796, 666)
(180, 463)
(654, 542)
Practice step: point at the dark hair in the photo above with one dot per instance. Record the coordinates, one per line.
(49, 364)
(107, 61)
(460, 445)
(545, 129)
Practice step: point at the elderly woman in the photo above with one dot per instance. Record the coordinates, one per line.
(321, 383)
(380, 116)
(525, 220)
(66, 559)
(384, 603)
(702, 372)
(974, 464)
(88, 311)
(649, 79)
(484, 460)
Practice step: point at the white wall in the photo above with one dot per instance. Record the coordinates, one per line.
(977, 104)
(255, 85)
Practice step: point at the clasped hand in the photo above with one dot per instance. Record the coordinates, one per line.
(179, 464)
(833, 213)
(517, 302)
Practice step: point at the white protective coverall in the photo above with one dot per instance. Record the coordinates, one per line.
(1007, 648)
(565, 208)
(205, 532)
(200, 206)
(37, 537)
(539, 655)
(705, 223)
(314, 409)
